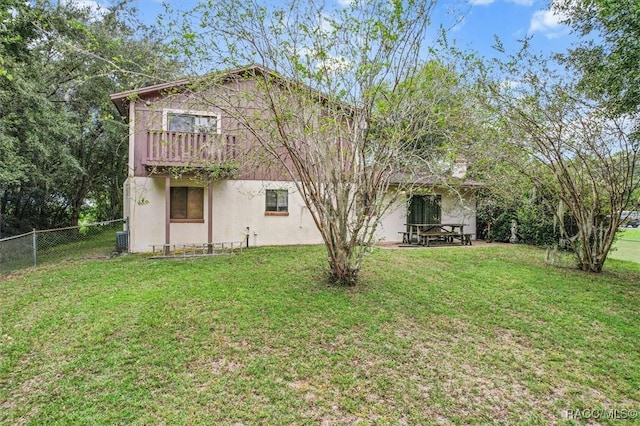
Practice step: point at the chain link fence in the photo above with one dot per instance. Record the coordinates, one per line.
(87, 240)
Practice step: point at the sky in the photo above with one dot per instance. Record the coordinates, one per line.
(510, 20)
(473, 26)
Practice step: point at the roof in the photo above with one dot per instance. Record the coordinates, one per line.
(429, 181)
(121, 99)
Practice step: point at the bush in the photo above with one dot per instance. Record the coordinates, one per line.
(535, 222)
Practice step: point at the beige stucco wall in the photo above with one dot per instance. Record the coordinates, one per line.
(144, 206)
(456, 208)
(146, 212)
(238, 204)
(393, 221)
(241, 204)
(460, 208)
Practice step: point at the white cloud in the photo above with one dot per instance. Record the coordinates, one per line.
(548, 23)
(511, 84)
(96, 10)
(334, 64)
(460, 24)
(326, 27)
(344, 3)
(330, 63)
(571, 4)
(480, 2)
(488, 2)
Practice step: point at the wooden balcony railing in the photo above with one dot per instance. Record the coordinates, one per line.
(164, 148)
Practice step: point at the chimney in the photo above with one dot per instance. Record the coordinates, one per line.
(459, 168)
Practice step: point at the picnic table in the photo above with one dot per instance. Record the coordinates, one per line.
(426, 233)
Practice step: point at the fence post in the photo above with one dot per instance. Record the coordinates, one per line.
(35, 248)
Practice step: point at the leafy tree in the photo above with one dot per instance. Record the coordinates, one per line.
(59, 140)
(15, 34)
(608, 58)
(30, 134)
(448, 121)
(569, 147)
(107, 55)
(573, 133)
(334, 108)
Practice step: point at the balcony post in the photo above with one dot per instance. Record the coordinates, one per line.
(210, 217)
(167, 214)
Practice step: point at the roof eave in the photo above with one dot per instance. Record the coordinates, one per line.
(120, 99)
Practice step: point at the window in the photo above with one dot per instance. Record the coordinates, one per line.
(187, 204)
(277, 201)
(191, 123)
(425, 209)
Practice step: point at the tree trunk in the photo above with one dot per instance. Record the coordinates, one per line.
(343, 270)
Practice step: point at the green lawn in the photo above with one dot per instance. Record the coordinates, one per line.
(627, 247)
(462, 335)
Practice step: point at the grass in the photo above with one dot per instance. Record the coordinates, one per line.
(462, 335)
(56, 246)
(627, 247)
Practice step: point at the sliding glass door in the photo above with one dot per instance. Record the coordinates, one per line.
(424, 209)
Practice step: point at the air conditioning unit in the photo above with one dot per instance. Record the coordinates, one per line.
(122, 240)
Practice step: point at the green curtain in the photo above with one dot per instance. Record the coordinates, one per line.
(424, 209)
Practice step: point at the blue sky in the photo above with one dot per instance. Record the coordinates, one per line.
(473, 26)
(510, 20)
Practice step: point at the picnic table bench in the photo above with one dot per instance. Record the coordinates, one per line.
(426, 233)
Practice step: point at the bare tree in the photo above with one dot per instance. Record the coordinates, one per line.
(569, 148)
(333, 100)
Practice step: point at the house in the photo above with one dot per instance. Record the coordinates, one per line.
(179, 140)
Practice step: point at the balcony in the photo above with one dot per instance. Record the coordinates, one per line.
(166, 148)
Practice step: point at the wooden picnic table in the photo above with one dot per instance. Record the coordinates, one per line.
(424, 233)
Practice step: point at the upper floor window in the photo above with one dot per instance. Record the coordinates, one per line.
(191, 122)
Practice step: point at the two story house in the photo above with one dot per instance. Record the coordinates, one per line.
(195, 175)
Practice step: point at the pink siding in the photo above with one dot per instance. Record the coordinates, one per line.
(156, 148)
